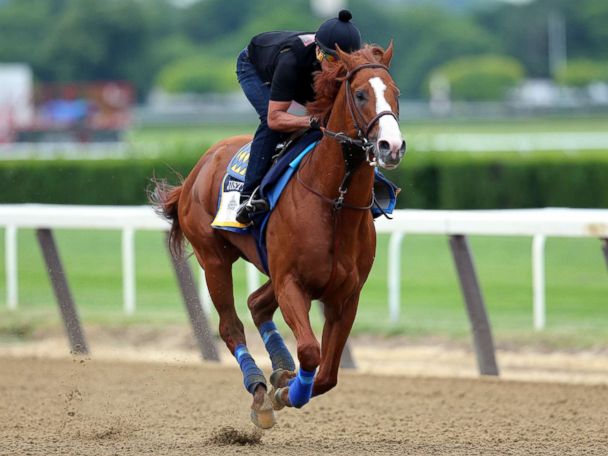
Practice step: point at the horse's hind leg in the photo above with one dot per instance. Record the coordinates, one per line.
(218, 274)
(262, 303)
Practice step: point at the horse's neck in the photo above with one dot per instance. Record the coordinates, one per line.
(327, 167)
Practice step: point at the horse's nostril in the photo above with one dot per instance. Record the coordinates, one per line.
(384, 146)
(402, 148)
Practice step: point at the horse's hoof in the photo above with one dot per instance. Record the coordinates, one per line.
(276, 397)
(280, 377)
(263, 416)
(263, 420)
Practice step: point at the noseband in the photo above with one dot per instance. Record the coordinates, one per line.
(362, 142)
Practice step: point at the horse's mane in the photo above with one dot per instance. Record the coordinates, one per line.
(327, 82)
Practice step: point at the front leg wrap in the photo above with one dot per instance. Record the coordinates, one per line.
(252, 374)
(279, 354)
(300, 388)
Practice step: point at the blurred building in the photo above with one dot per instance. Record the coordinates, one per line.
(16, 98)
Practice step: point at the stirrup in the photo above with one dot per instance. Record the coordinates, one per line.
(257, 205)
(253, 205)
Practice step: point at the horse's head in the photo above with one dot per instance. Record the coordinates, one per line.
(372, 101)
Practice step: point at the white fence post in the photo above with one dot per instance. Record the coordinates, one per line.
(253, 278)
(538, 277)
(203, 292)
(394, 275)
(10, 242)
(128, 270)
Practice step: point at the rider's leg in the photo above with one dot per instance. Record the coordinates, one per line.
(265, 140)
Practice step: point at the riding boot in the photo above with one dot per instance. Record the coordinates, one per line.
(250, 205)
(242, 214)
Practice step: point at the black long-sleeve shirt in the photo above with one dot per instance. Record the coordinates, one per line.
(287, 61)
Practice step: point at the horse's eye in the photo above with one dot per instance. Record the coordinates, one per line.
(360, 95)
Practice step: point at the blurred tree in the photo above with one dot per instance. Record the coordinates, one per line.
(427, 37)
(199, 75)
(134, 39)
(206, 20)
(592, 25)
(24, 24)
(522, 30)
(99, 40)
(424, 37)
(581, 72)
(479, 78)
(264, 15)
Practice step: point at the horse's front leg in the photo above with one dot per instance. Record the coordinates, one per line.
(338, 323)
(295, 306)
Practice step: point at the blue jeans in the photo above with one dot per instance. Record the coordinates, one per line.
(265, 139)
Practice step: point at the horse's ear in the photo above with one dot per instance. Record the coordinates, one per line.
(388, 55)
(345, 58)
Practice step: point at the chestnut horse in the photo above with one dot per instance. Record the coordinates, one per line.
(320, 237)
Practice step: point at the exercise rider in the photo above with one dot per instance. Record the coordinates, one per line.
(274, 70)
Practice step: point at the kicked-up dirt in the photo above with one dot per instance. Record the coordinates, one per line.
(84, 407)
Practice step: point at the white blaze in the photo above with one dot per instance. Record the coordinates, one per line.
(389, 128)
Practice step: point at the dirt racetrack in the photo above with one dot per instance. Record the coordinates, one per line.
(77, 407)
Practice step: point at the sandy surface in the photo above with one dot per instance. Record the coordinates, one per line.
(373, 355)
(76, 407)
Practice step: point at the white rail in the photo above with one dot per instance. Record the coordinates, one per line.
(536, 223)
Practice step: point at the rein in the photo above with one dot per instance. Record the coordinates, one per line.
(337, 203)
(351, 146)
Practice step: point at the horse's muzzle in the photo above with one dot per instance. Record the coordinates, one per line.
(390, 153)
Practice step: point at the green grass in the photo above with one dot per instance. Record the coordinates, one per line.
(159, 137)
(432, 306)
(515, 125)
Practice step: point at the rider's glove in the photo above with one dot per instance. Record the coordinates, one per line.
(313, 123)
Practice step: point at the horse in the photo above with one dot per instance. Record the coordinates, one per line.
(320, 237)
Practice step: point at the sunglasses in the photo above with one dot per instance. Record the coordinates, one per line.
(328, 57)
(326, 54)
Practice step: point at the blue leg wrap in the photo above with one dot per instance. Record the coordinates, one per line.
(252, 375)
(300, 388)
(279, 354)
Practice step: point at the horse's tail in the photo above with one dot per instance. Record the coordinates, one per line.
(164, 198)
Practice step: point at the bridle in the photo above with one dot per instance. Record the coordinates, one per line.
(362, 142)
(352, 147)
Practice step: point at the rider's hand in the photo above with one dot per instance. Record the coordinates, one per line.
(313, 123)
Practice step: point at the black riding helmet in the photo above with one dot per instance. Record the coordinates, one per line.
(338, 31)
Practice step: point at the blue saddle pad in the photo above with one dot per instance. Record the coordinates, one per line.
(273, 185)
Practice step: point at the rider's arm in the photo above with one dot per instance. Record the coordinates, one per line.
(281, 120)
(282, 92)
